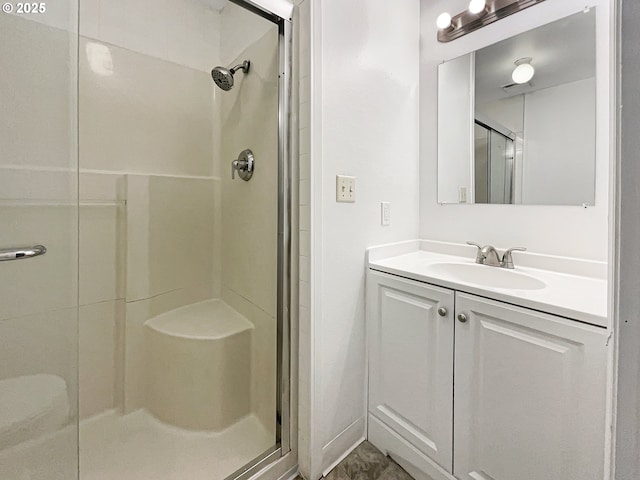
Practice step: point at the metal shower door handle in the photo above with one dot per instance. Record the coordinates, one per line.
(20, 253)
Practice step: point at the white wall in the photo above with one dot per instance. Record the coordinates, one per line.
(507, 225)
(365, 123)
(455, 128)
(305, 370)
(559, 144)
(627, 404)
(507, 112)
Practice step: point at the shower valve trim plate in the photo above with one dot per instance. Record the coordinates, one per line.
(244, 165)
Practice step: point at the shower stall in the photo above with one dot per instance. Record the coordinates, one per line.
(145, 254)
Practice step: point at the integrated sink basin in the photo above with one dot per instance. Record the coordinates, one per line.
(491, 277)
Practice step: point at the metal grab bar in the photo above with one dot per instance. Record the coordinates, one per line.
(20, 253)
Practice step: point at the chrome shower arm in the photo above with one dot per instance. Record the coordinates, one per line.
(244, 66)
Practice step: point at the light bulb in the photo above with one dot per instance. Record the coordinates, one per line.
(443, 21)
(523, 73)
(477, 6)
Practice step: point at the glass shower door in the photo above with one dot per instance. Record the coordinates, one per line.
(181, 308)
(38, 208)
(115, 153)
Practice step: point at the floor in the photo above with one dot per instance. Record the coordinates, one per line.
(366, 462)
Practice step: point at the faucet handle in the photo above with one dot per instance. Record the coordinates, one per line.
(479, 257)
(234, 167)
(507, 259)
(474, 244)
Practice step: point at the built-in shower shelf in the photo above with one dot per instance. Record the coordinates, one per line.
(199, 365)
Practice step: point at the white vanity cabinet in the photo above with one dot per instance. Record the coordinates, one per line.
(529, 394)
(411, 362)
(528, 401)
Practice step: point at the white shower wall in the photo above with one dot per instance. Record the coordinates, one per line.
(185, 32)
(250, 211)
(146, 149)
(237, 30)
(152, 132)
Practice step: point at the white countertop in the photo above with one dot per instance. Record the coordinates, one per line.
(573, 288)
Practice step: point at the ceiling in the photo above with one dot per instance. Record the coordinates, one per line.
(563, 51)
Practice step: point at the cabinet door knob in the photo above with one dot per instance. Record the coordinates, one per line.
(442, 312)
(462, 318)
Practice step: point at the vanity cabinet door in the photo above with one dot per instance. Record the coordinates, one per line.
(529, 394)
(411, 362)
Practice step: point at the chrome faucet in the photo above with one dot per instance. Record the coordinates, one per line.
(488, 255)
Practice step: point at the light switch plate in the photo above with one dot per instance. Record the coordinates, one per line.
(462, 194)
(345, 189)
(385, 213)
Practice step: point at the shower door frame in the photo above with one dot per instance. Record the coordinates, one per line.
(267, 9)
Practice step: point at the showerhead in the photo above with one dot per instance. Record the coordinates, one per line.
(224, 76)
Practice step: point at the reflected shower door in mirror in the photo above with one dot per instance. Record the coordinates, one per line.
(517, 119)
(493, 165)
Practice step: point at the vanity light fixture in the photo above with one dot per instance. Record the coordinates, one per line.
(479, 14)
(524, 71)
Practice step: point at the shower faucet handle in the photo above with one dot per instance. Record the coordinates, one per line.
(238, 166)
(244, 165)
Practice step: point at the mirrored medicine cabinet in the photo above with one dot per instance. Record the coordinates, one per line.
(517, 119)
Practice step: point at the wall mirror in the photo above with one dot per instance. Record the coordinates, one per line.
(517, 119)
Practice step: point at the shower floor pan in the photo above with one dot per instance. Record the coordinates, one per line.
(136, 446)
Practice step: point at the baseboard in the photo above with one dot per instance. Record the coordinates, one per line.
(416, 463)
(342, 445)
(291, 474)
